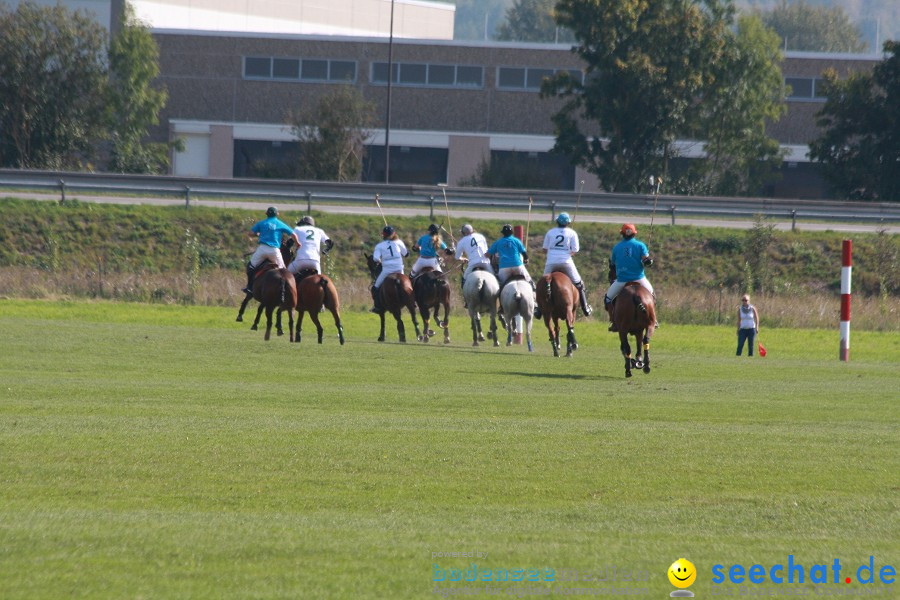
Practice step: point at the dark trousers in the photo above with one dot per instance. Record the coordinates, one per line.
(748, 335)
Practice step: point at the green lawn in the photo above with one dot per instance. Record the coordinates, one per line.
(166, 451)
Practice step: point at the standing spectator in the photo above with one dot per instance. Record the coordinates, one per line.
(747, 325)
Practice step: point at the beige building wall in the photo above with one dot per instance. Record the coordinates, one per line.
(370, 18)
(221, 151)
(464, 154)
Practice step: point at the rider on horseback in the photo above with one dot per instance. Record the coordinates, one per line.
(390, 253)
(512, 258)
(427, 247)
(269, 231)
(561, 243)
(309, 240)
(474, 246)
(626, 264)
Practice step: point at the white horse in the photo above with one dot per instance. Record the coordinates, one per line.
(481, 291)
(517, 300)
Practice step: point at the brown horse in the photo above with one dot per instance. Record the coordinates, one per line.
(432, 292)
(396, 293)
(273, 288)
(313, 292)
(634, 313)
(557, 298)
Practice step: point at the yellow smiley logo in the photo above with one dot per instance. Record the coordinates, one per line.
(682, 573)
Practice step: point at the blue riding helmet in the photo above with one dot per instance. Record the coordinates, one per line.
(388, 231)
(506, 229)
(563, 219)
(271, 212)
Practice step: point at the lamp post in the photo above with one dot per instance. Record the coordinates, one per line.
(387, 123)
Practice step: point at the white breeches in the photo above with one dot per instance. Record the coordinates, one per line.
(567, 267)
(421, 263)
(472, 266)
(383, 275)
(264, 252)
(507, 272)
(617, 286)
(299, 264)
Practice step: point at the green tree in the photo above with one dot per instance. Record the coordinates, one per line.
(859, 147)
(134, 102)
(52, 81)
(331, 135)
(802, 26)
(533, 21)
(647, 63)
(745, 94)
(478, 19)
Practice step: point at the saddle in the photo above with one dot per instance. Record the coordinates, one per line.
(304, 273)
(268, 265)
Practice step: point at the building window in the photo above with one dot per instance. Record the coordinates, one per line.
(421, 74)
(286, 68)
(257, 67)
(342, 70)
(315, 70)
(819, 89)
(801, 87)
(529, 78)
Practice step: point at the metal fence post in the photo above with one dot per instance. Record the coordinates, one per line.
(553, 210)
(793, 220)
(187, 196)
(308, 202)
(62, 191)
(431, 207)
(672, 208)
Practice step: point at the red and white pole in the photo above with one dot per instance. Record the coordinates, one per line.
(846, 267)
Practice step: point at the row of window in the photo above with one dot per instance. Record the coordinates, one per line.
(414, 74)
(805, 88)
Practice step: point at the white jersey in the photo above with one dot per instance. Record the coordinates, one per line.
(560, 243)
(390, 254)
(311, 240)
(475, 248)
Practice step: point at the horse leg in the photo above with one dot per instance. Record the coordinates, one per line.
(446, 322)
(626, 351)
(337, 323)
(554, 339)
(476, 326)
(269, 310)
(278, 328)
(412, 311)
(478, 323)
(381, 337)
(300, 312)
(401, 330)
(240, 316)
(647, 350)
(314, 315)
(571, 342)
(255, 325)
(528, 322)
(493, 331)
(426, 321)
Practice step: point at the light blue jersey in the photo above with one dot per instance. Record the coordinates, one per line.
(509, 249)
(627, 255)
(426, 247)
(270, 231)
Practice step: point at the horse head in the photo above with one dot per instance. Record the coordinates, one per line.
(287, 250)
(374, 266)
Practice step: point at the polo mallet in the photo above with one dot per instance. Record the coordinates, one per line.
(443, 187)
(578, 200)
(657, 181)
(528, 224)
(378, 204)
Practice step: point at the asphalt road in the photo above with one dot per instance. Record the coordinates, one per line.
(458, 215)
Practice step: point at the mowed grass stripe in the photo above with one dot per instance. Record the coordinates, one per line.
(189, 458)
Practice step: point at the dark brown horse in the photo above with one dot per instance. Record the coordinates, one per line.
(273, 288)
(432, 292)
(396, 293)
(313, 292)
(635, 313)
(557, 298)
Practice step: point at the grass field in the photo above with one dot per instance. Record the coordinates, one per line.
(151, 451)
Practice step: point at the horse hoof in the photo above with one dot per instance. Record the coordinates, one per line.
(490, 336)
(240, 319)
(381, 339)
(647, 369)
(446, 340)
(627, 373)
(475, 344)
(496, 344)
(279, 333)
(254, 328)
(430, 332)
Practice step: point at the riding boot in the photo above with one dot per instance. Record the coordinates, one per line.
(537, 309)
(376, 298)
(582, 298)
(607, 304)
(251, 274)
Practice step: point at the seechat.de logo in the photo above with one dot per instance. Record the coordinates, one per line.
(794, 572)
(682, 574)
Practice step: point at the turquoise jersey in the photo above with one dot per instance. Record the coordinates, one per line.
(270, 231)
(627, 255)
(426, 248)
(509, 249)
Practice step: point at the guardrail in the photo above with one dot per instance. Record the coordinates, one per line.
(458, 197)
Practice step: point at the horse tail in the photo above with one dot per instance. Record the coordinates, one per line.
(548, 292)
(519, 298)
(283, 289)
(481, 281)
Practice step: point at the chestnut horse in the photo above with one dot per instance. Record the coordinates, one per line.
(634, 313)
(396, 293)
(313, 292)
(273, 288)
(557, 298)
(432, 292)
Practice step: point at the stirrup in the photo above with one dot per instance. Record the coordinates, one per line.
(247, 290)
